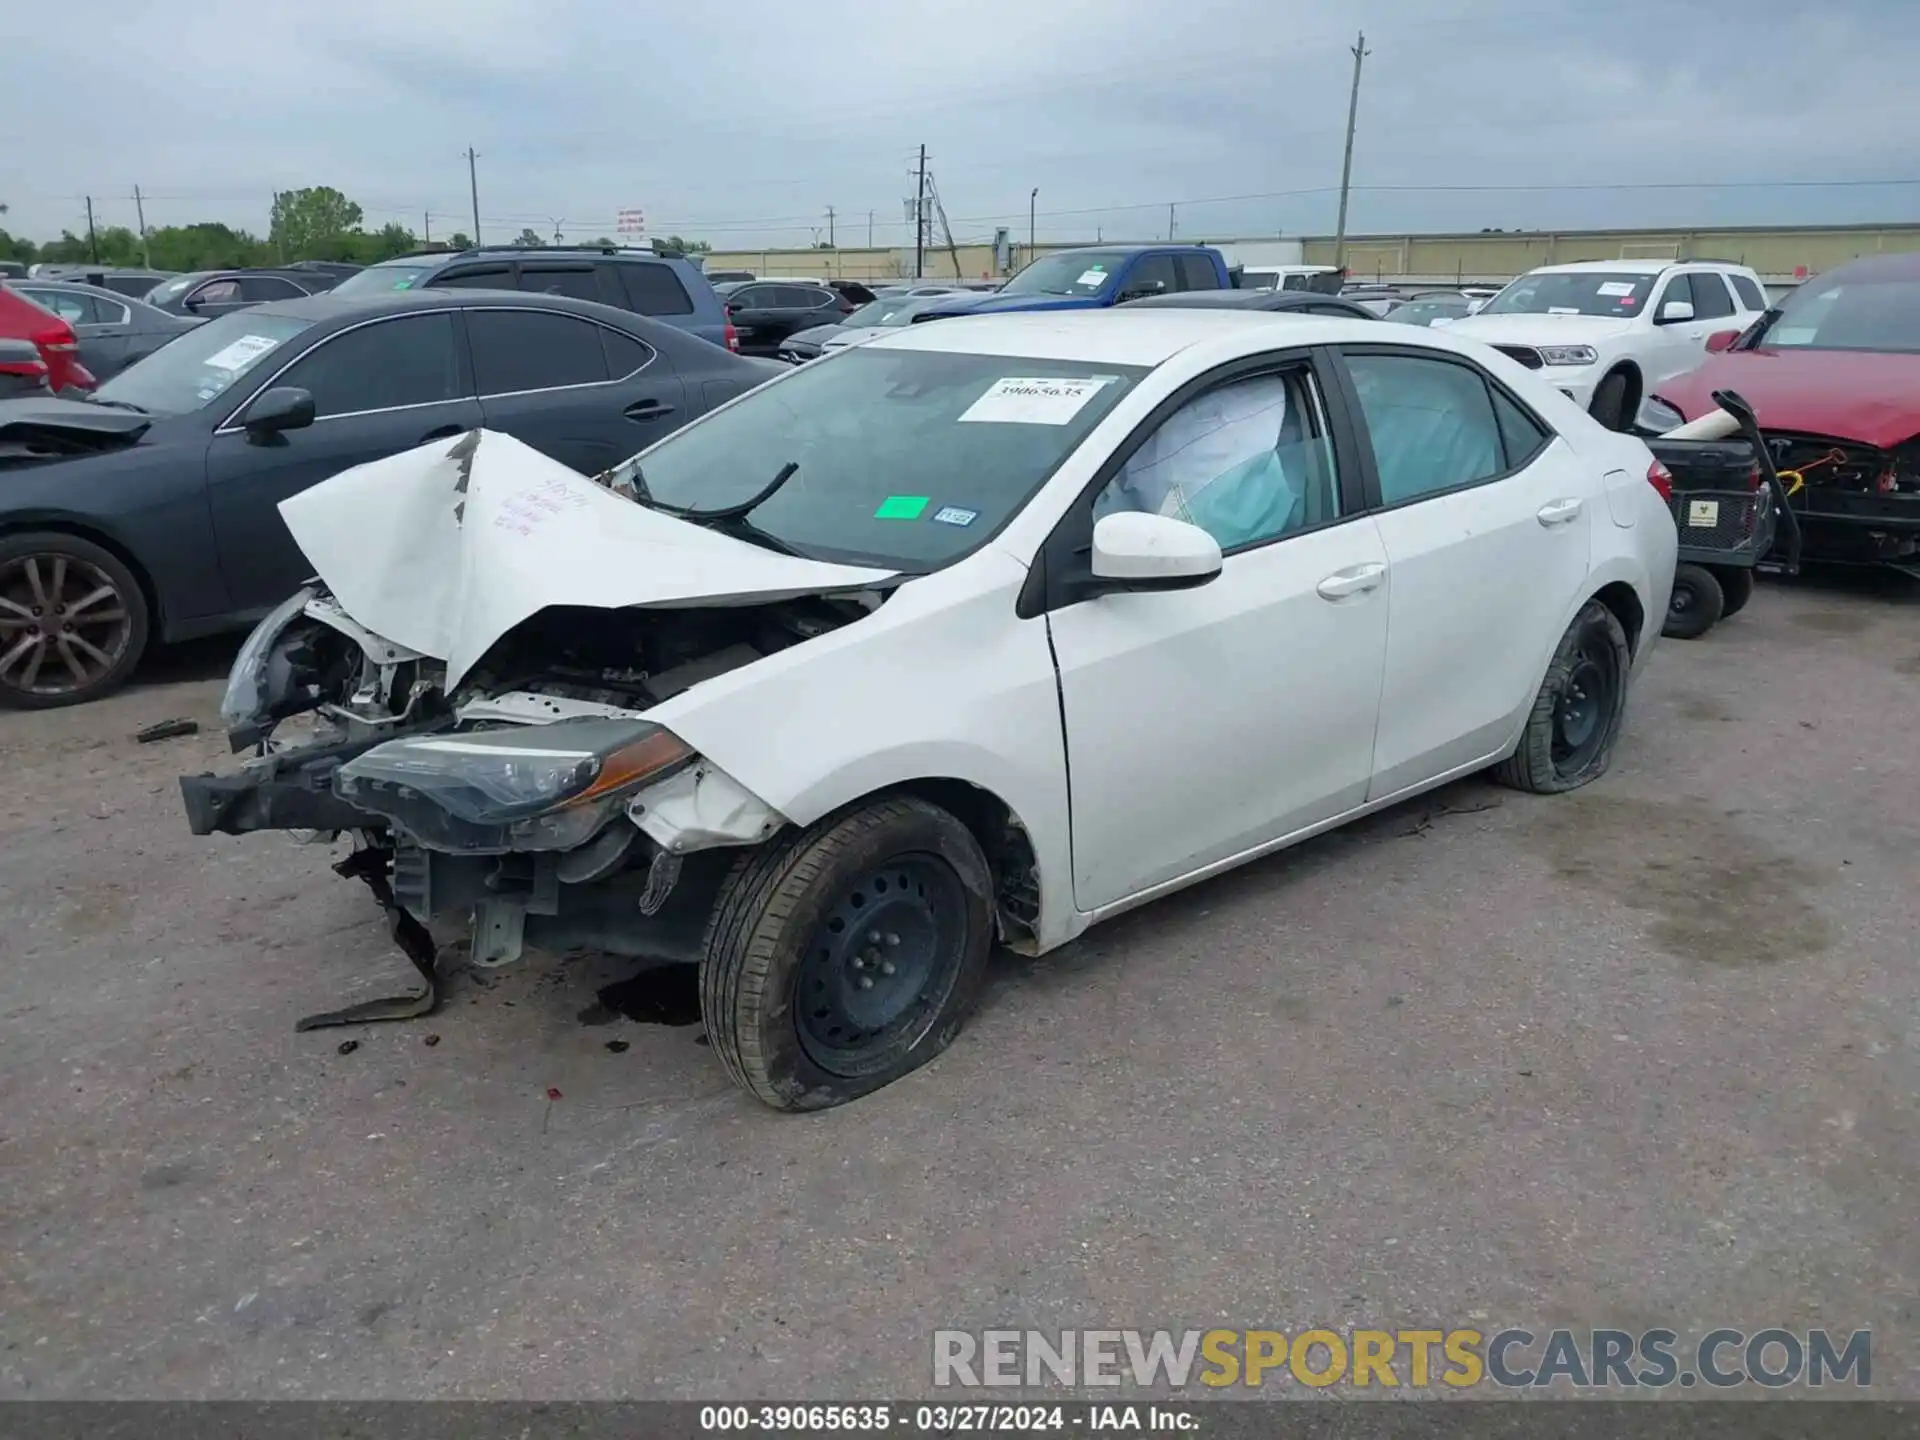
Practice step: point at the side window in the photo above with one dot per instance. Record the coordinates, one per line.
(217, 292)
(1197, 273)
(1710, 298)
(106, 312)
(751, 297)
(486, 277)
(1750, 295)
(1149, 271)
(799, 297)
(577, 282)
(73, 306)
(624, 353)
(653, 289)
(517, 350)
(1431, 423)
(1680, 287)
(382, 366)
(1523, 436)
(1248, 461)
(268, 287)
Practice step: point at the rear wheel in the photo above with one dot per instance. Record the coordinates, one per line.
(840, 958)
(1696, 604)
(1576, 716)
(1736, 588)
(73, 621)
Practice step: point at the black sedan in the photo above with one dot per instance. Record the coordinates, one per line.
(1291, 302)
(149, 510)
(114, 330)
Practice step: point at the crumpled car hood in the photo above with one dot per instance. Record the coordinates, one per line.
(72, 426)
(446, 548)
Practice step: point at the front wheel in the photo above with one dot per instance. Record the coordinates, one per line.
(1576, 716)
(841, 957)
(1609, 405)
(73, 621)
(1695, 605)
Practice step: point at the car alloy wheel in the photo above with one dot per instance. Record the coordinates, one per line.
(882, 963)
(65, 626)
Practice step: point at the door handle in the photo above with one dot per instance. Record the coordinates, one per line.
(1559, 512)
(1356, 581)
(648, 409)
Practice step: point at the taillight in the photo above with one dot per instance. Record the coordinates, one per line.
(58, 340)
(1755, 476)
(1661, 479)
(732, 337)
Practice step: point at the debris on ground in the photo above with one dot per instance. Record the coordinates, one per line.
(168, 730)
(431, 1041)
(347, 1047)
(618, 1047)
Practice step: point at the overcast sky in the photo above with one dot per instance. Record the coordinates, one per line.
(740, 123)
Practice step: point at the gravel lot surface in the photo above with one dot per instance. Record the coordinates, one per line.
(1644, 1055)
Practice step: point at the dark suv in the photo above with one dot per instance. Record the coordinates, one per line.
(664, 288)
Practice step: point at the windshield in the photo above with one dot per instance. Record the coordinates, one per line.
(1259, 280)
(385, 279)
(198, 366)
(1881, 315)
(1577, 292)
(892, 310)
(907, 459)
(1072, 272)
(1425, 312)
(170, 289)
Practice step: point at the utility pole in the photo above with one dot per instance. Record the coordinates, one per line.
(1033, 198)
(1171, 224)
(830, 240)
(473, 184)
(426, 227)
(1360, 53)
(93, 242)
(869, 229)
(140, 214)
(920, 220)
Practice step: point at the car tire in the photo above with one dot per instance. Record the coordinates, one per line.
(1696, 604)
(73, 621)
(809, 1003)
(1736, 588)
(1609, 405)
(1569, 736)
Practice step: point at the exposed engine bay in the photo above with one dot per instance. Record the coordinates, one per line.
(322, 702)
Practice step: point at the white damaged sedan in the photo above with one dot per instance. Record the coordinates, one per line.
(982, 632)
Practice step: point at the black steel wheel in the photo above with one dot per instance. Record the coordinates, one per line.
(73, 621)
(1568, 739)
(841, 957)
(1695, 605)
(1736, 588)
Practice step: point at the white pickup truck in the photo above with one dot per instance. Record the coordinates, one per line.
(1607, 332)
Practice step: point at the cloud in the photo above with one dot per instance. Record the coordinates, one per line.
(742, 124)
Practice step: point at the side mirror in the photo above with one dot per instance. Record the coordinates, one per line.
(1676, 311)
(1721, 340)
(285, 407)
(1136, 551)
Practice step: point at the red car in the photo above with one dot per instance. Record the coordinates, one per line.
(21, 319)
(1833, 375)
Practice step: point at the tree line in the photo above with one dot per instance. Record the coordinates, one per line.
(317, 223)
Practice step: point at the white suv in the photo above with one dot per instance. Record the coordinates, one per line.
(1606, 332)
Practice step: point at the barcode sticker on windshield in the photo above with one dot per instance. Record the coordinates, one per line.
(1615, 287)
(1095, 275)
(241, 353)
(1033, 400)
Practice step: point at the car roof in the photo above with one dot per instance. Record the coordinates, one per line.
(329, 306)
(98, 291)
(1122, 336)
(1626, 267)
(1270, 301)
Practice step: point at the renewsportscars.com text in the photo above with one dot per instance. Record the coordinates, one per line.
(1393, 1359)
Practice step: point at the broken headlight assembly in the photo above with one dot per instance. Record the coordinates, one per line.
(261, 679)
(531, 787)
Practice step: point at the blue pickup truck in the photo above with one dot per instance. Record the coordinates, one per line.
(1096, 277)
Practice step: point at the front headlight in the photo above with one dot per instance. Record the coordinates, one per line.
(1656, 416)
(532, 787)
(251, 688)
(1568, 354)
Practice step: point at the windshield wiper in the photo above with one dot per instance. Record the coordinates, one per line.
(730, 519)
(96, 399)
(1757, 330)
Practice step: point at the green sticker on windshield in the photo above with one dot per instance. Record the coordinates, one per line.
(901, 507)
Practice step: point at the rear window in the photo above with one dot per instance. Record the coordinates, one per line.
(654, 289)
